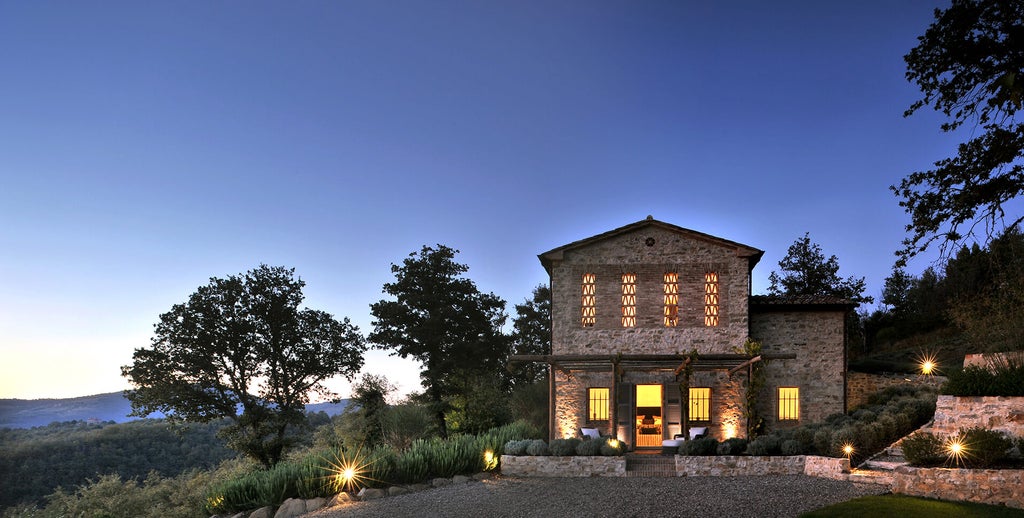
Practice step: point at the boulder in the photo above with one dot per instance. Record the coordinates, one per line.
(341, 499)
(460, 479)
(291, 508)
(419, 487)
(369, 493)
(315, 503)
(396, 490)
(483, 475)
(263, 512)
(441, 482)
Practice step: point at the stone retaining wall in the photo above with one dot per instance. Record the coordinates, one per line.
(827, 467)
(986, 486)
(1004, 414)
(861, 385)
(730, 466)
(589, 466)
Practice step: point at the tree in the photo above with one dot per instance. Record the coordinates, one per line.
(369, 403)
(241, 348)
(969, 65)
(442, 320)
(805, 271)
(531, 334)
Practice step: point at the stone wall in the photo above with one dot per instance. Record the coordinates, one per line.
(589, 466)
(817, 339)
(860, 385)
(986, 486)
(1005, 414)
(731, 466)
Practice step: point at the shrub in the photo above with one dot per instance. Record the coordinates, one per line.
(517, 447)
(612, 447)
(589, 448)
(705, 446)
(1005, 378)
(923, 449)
(805, 436)
(734, 446)
(791, 447)
(564, 447)
(822, 441)
(984, 447)
(765, 445)
(537, 448)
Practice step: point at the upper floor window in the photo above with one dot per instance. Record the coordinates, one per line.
(671, 286)
(629, 300)
(589, 303)
(711, 299)
(789, 403)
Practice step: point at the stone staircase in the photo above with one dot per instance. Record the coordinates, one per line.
(648, 465)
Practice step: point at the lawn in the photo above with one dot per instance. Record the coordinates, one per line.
(911, 507)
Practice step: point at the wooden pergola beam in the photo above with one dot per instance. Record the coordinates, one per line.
(683, 365)
(744, 365)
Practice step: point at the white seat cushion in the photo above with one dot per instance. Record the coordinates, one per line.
(671, 443)
(696, 431)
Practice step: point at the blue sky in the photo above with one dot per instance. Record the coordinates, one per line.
(148, 146)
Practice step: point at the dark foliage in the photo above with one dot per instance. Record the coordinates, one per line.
(969, 65)
(37, 461)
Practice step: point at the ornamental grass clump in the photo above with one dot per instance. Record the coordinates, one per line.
(985, 448)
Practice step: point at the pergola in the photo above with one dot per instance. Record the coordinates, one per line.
(619, 364)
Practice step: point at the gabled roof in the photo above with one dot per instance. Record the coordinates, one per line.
(556, 254)
(764, 303)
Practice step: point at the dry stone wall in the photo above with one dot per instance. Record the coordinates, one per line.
(587, 466)
(1004, 414)
(985, 486)
(860, 386)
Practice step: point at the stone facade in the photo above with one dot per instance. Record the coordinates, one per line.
(1004, 414)
(810, 334)
(608, 259)
(817, 338)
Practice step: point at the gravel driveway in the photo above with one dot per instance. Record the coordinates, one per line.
(690, 497)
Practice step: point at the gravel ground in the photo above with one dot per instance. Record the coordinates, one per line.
(690, 497)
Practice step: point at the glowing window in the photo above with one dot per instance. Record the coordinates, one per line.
(711, 299)
(789, 404)
(589, 300)
(629, 300)
(597, 404)
(700, 404)
(671, 285)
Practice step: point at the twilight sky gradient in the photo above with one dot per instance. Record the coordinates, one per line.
(147, 146)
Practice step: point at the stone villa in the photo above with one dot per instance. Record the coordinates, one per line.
(631, 304)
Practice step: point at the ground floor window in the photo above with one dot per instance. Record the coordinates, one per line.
(789, 403)
(597, 404)
(700, 404)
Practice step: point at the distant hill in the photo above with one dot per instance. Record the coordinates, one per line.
(29, 413)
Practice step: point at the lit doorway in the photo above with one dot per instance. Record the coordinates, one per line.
(649, 416)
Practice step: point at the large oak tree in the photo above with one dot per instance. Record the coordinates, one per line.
(241, 348)
(969, 64)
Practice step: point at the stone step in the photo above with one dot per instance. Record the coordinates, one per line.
(650, 466)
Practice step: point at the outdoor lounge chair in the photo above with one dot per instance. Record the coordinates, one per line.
(670, 446)
(592, 433)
